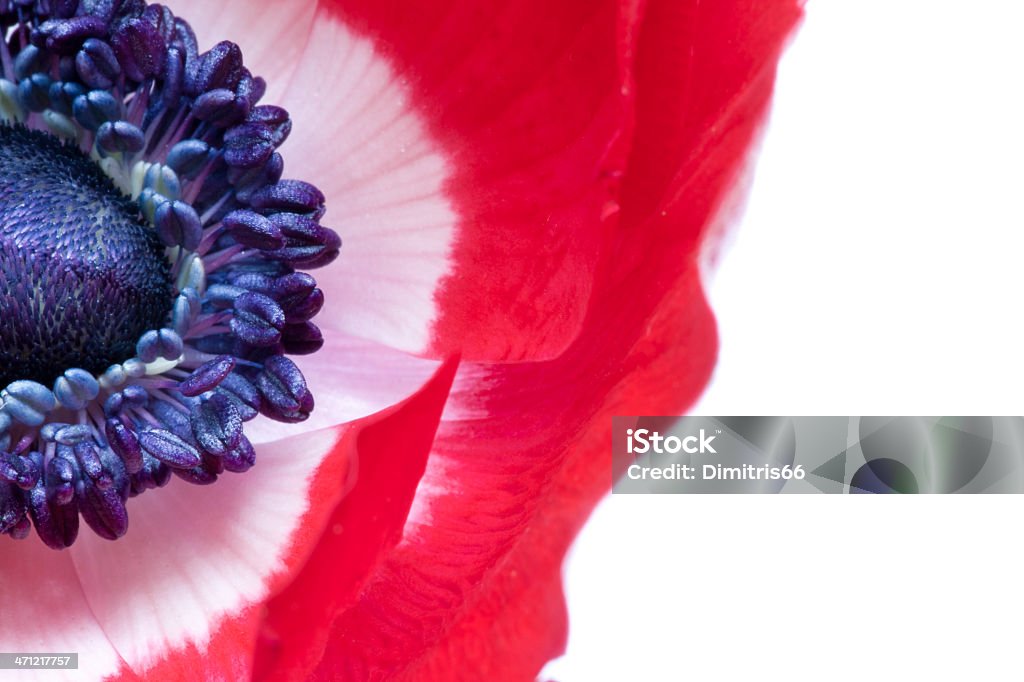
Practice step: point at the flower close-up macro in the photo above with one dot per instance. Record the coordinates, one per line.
(314, 315)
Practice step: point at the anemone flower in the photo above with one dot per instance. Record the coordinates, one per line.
(198, 481)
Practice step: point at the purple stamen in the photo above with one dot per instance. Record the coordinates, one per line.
(140, 332)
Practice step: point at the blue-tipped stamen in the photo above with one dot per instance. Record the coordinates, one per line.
(150, 256)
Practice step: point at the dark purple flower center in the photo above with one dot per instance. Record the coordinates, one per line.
(139, 334)
(81, 276)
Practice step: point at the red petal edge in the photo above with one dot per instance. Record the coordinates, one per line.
(364, 524)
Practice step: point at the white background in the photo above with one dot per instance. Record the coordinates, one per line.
(877, 271)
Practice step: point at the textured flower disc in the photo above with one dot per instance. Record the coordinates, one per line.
(152, 263)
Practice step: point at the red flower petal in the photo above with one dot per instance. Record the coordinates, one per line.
(522, 455)
(694, 105)
(526, 103)
(511, 486)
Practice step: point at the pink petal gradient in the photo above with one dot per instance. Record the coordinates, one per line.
(358, 138)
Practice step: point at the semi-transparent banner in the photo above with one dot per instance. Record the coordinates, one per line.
(818, 454)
